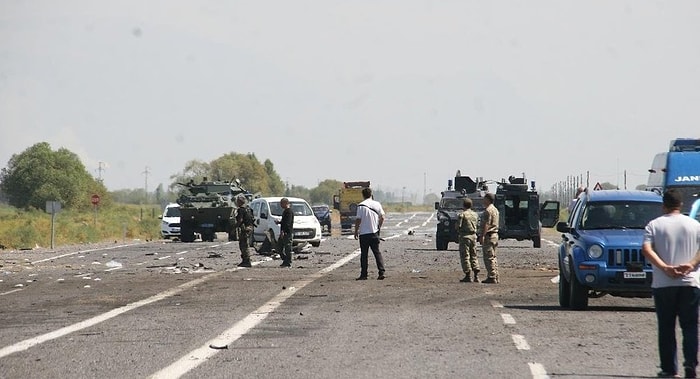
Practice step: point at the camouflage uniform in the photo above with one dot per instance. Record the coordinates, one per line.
(244, 222)
(466, 230)
(489, 242)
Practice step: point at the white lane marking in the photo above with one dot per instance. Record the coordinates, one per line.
(496, 304)
(520, 342)
(507, 319)
(182, 252)
(28, 343)
(191, 360)
(80, 252)
(113, 268)
(550, 243)
(537, 371)
(165, 257)
(11, 291)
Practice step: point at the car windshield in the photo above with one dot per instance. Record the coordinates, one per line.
(619, 215)
(299, 208)
(452, 203)
(172, 212)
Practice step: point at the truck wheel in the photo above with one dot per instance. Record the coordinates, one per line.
(186, 235)
(441, 243)
(536, 242)
(564, 289)
(578, 294)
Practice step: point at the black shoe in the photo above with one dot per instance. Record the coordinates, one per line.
(690, 372)
(466, 279)
(381, 277)
(361, 278)
(245, 264)
(664, 374)
(490, 281)
(286, 264)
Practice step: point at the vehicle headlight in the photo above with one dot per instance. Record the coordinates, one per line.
(446, 222)
(595, 251)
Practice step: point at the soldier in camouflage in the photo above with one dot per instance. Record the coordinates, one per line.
(489, 238)
(466, 230)
(244, 223)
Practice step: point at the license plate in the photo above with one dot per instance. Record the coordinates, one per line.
(634, 275)
(301, 234)
(207, 225)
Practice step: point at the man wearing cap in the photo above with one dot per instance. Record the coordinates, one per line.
(489, 238)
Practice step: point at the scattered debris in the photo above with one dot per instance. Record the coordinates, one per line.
(19, 285)
(87, 286)
(302, 257)
(215, 255)
(415, 270)
(217, 346)
(113, 264)
(60, 280)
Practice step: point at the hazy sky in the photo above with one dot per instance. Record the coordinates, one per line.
(402, 93)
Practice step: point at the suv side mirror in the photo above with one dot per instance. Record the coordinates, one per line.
(563, 227)
(437, 205)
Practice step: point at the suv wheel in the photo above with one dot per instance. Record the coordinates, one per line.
(536, 242)
(441, 243)
(564, 289)
(578, 292)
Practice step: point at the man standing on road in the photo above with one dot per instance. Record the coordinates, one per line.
(579, 191)
(466, 230)
(370, 217)
(286, 233)
(244, 223)
(489, 238)
(672, 245)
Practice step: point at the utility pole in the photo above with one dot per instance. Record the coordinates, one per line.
(145, 185)
(100, 168)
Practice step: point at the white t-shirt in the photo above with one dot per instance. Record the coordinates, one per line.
(676, 239)
(369, 219)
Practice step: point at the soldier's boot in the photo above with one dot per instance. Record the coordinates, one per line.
(476, 276)
(245, 261)
(467, 279)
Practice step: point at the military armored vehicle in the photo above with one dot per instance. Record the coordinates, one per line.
(521, 214)
(209, 207)
(450, 206)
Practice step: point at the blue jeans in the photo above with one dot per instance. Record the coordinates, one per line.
(677, 303)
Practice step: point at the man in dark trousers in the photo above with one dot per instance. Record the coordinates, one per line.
(672, 245)
(244, 223)
(286, 233)
(370, 217)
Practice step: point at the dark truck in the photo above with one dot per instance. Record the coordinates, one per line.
(521, 214)
(209, 207)
(450, 206)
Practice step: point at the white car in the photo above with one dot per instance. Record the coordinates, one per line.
(267, 213)
(170, 221)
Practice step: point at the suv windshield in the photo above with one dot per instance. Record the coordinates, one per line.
(298, 208)
(619, 215)
(172, 212)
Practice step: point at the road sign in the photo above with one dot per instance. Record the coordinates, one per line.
(95, 199)
(597, 187)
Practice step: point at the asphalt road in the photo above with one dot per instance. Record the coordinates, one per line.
(168, 309)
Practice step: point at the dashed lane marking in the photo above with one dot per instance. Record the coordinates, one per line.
(200, 355)
(496, 304)
(538, 371)
(11, 291)
(520, 342)
(507, 319)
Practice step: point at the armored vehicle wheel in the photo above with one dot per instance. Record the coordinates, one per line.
(441, 243)
(186, 235)
(536, 242)
(315, 244)
(578, 294)
(564, 289)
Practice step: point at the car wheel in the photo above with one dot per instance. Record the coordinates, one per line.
(441, 243)
(186, 235)
(564, 289)
(315, 243)
(536, 242)
(578, 293)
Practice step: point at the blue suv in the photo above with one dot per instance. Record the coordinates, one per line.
(601, 251)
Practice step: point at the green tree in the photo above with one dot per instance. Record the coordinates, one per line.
(39, 174)
(325, 191)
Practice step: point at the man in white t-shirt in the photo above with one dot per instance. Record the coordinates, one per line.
(370, 217)
(672, 246)
(579, 191)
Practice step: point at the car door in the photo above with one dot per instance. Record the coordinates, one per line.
(258, 222)
(549, 213)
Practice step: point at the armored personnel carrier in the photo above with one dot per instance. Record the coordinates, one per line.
(450, 206)
(209, 207)
(521, 214)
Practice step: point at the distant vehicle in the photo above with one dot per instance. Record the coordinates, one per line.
(601, 249)
(521, 214)
(346, 202)
(450, 206)
(678, 168)
(323, 214)
(209, 207)
(267, 214)
(170, 221)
